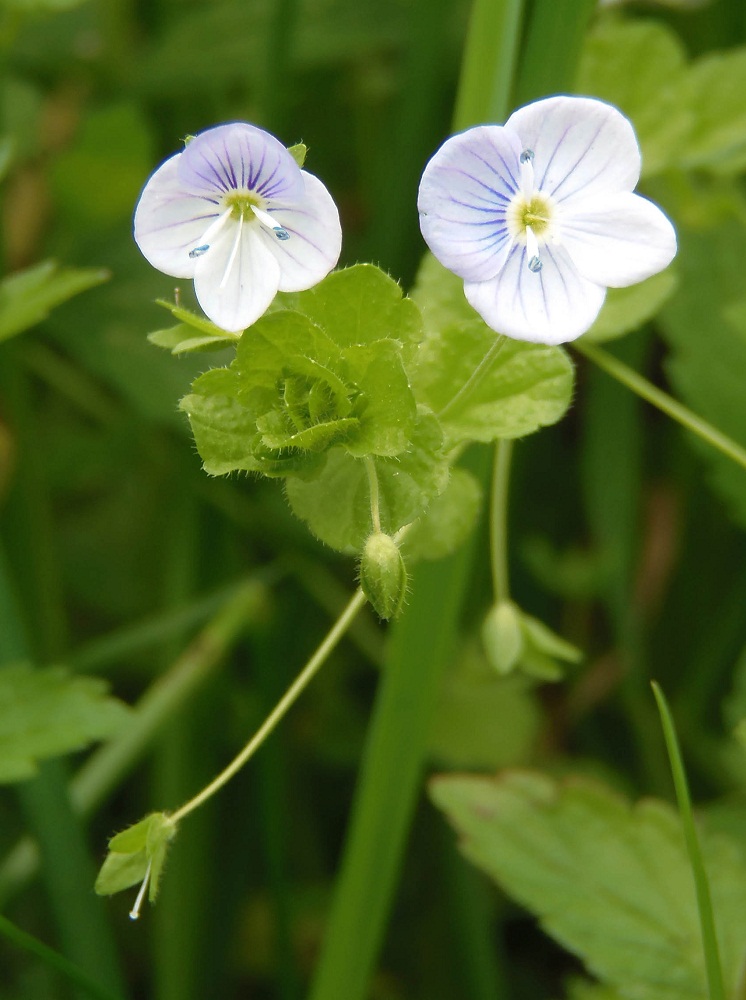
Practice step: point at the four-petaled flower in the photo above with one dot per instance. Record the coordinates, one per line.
(236, 213)
(538, 216)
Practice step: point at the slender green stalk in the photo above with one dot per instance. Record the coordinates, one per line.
(52, 958)
(499, 520)
(375, 508)
(299, 685)
(494, 31)
(701, 883)
(671, 407)
(476, 376)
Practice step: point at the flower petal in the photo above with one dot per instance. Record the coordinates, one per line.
(170, 221)
(581, 146)
(618, 240)
(551, 306)
(315, 236)
(238, 277)
(464, 193)
(240, 157)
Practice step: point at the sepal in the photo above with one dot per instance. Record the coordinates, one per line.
(137, 854)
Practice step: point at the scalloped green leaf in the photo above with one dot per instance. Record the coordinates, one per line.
(524, 387)
(359, 305)
(45, 713)
(610, 881)
(336, 503)
(227, 438)
(292, 391)
(388, 412)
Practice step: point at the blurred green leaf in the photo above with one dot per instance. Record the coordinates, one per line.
(231, 38)
(448, 521)
(638, 66)
(27, 297)
(336, 503)
(581, 989)
(687, 115)
(482, 720)
(7, 152)
(45, 713)
(714, 88)
(705, 328)
(627, 309)
(609, 881)
(98, 179)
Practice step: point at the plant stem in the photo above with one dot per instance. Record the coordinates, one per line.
(499, 520)
(701, 883)
(671, 407)
(494, 31)
(375, 509)
(300, 683)
(476, 376)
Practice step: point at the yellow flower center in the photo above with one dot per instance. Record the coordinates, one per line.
(241, 203)
(536, 212)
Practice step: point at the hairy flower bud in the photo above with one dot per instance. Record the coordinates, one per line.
(383, 575)
(502, 636)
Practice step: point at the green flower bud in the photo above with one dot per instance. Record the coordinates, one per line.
(502, 636)
(383, 575)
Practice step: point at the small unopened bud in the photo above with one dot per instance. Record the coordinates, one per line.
(502, 636)
(383, 575)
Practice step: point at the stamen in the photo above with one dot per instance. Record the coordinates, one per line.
(135, 911)
(526, 160)
(532, 251)
(234, 251)
(269, 222)
(210, 232)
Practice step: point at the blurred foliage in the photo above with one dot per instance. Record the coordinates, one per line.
(626, 538)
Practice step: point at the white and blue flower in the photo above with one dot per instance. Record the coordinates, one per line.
(236, 213)
(539, 216)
